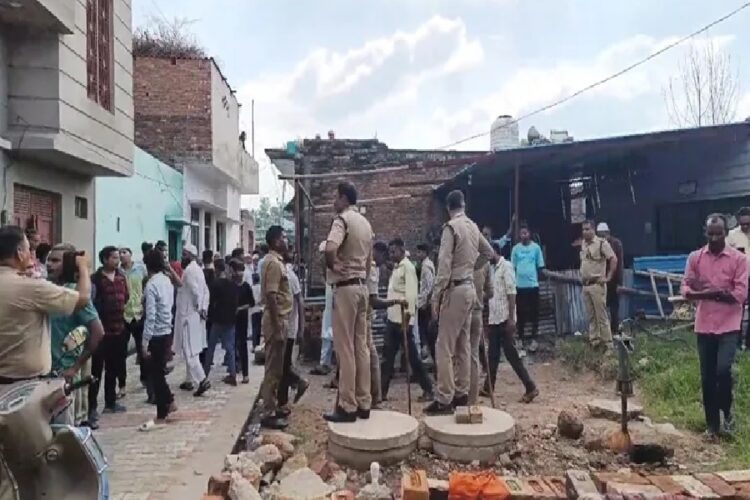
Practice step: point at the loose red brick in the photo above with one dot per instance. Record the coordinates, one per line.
(218, 484)
(556, 484)
(667, 485)
(735, 476)
(717, 484)
(601, 479)
(579, 484)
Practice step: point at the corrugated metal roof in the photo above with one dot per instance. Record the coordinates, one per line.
(571, 153)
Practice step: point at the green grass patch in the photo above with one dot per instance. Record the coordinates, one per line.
(667, 373)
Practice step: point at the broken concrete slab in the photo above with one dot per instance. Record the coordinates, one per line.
(268, 457)
(241, 489)
(244, 463)
(295, 463)
(302, 484)
(611, 409)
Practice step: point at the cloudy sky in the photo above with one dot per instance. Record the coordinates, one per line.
(425, 73)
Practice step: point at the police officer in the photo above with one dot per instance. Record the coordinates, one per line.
(597, 257)
(462, 250)
(348, 257)
(274, 325)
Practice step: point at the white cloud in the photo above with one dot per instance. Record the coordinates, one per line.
(533, 87)
(351, 90)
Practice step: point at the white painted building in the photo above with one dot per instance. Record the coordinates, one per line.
(66, 111)
(202, 140)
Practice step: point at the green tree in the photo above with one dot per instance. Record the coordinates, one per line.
(269, 214)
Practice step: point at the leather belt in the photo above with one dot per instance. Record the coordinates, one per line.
(464, 281)
(350, 282)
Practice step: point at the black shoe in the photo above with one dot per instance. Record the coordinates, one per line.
(438, 408)
(92, 422)
(460, 401)
(301, 389)
(283, 413)
(202, 388)
(363, 414)
(187, 386)
(340, 416)
(426, 397)
(274, 423)
(320, 370)
(115, 408)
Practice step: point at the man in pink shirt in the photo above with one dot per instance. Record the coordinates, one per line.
(716, 278)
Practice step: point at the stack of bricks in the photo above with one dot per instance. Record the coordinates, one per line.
(619, 485)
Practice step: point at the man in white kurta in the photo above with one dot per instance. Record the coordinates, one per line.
(190, 320)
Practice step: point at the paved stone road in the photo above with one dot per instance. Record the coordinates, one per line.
(174, 462)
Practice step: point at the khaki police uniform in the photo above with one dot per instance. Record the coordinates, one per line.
(352, 234)
(461, 247)
(275, 281)
(594, 257)
(483, 289)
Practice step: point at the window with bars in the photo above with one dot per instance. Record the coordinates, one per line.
(99, 52)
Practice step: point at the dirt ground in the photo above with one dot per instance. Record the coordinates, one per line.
(538, 450)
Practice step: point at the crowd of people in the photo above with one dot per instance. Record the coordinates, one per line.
(59, 320)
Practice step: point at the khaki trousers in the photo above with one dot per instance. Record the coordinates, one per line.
(475, 335)
(595, 300)
(453, 343)
(352, 344)
(275, 347)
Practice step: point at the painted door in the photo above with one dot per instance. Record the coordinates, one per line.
(39, 209)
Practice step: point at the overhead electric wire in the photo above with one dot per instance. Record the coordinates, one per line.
(607, 79)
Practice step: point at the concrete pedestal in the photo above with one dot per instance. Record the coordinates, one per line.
(386, 437)
(469, 442)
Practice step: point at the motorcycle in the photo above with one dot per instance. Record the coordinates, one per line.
(43, 460)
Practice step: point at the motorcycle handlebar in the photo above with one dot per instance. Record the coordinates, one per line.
(69, 388)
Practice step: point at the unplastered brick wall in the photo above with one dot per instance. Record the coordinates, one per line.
(415, 219)
(172, 100)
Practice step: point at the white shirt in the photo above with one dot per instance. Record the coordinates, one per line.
(159, 297)
(503, 284)
(296, 289)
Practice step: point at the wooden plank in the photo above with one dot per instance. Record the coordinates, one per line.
(358, 173)
(656, 295)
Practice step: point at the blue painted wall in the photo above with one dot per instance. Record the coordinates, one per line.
(134, 209)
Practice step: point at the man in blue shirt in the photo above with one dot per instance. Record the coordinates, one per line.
(505, 239)
(528, 262)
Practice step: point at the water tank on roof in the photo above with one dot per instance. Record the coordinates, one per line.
(504, 133)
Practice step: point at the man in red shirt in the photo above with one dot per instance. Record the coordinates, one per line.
(716, 278)
(110, 296)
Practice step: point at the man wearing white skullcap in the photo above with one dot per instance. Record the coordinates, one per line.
(190, 320)
(613, 300)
